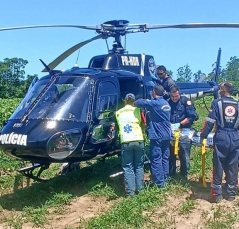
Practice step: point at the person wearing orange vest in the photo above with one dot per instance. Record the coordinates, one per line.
(129, 120)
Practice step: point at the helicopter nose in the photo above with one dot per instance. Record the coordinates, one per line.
(62, 145)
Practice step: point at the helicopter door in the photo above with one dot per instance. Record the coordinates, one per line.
(130, 85)
(106, 106)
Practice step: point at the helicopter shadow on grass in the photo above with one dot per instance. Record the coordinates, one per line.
(77, 183)
(204, 193)
(197, 190)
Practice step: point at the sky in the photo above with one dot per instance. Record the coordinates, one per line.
(173, 48)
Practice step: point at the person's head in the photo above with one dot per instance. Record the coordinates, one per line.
(161, 71)
(226, 89)
(175, 94)
(158, 90)
(129, 99)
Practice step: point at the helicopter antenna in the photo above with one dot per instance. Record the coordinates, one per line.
(125, 41)
(77, 56)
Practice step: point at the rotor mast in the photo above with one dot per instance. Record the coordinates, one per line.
(115, 29)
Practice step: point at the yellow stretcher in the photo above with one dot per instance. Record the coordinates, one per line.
(176, 141)
(203, 151)
(203, 162)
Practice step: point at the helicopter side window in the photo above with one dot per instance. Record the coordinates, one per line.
(98, 63)
(107, 100)
(107, 103)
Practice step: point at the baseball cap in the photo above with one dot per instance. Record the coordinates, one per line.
(130, 96)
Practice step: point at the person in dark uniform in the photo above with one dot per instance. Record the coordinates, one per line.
(183, 114)
(224, 114)
(165, 80)
(159, 134)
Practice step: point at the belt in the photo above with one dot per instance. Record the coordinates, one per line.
(140, 142)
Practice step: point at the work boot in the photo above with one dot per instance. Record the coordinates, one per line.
(231, 198)
(218, 199)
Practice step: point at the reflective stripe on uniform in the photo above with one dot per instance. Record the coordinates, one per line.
(210, 120)
(129, 120)
(237, 121)
(221, 113)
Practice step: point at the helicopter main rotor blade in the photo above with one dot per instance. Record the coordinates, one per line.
(142, 27)
(93, 27)
(194, 25)
(68, 52)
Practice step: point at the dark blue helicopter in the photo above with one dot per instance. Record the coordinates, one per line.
(69, 116)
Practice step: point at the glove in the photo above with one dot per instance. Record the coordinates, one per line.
(174, 126)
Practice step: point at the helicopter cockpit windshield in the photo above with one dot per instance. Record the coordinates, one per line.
(66, 98)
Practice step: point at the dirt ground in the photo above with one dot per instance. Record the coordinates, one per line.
(80, 208)
(85, 207)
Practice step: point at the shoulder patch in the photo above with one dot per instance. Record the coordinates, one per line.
(166, 108)
(189, 103)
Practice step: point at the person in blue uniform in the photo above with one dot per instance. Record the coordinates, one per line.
(224, 115)
(159, 134)
(165, 80)
(183, 114)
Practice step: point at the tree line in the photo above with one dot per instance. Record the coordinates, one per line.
(230, 73)
(14, 82)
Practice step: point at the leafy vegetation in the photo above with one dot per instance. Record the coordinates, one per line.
(187, 206)
(229, 73)
(7, 106)
(13, 82)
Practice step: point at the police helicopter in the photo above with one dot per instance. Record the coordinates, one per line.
(69, 116)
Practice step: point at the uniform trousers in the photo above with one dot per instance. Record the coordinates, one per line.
(132, 154)
(225, 158)
(159, 158)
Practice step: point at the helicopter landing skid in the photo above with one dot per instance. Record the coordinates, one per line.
(28, 171)
(68, 167)
(122, 172)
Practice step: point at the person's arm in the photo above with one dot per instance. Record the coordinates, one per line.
(143, 118)
(143, 103)
(157, 81)
(210, 120)
(143, 124)
(170, 83)
(184, 122)
(191, 114)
